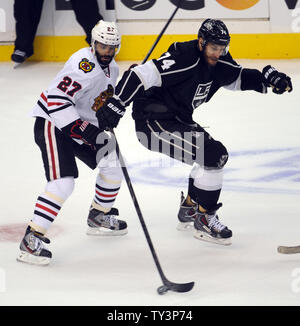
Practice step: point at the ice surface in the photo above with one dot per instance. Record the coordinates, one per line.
(260, 204)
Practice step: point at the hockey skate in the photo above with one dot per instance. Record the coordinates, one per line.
(209, 228)
(33, 250)
(186, 215)
(18, 57)
(105, 224)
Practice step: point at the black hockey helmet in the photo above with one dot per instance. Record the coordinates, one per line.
(214, 31)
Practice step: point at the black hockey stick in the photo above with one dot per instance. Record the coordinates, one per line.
(162, 32)
(167, 285)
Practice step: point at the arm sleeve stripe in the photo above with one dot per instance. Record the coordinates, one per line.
(151, 78)
(230, 64)
(61, 98)
(180, 70)
(60, 108)
(128, 100)
(43, 107)
(120, 93)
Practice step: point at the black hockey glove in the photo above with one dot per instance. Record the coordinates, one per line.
(82, 130)
(279, 81)
(110, 114)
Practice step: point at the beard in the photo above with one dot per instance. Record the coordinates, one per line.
(211, 61)
(104, 60)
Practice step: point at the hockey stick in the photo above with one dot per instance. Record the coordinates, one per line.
(162, 32)
(288, 249)
(167, 285)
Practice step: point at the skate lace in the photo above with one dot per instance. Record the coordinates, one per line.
(213, 222)
(35, 243)
(192, 212)
(110, 219)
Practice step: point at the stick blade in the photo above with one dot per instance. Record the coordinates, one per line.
(176, 287)
(182, 287)
(288, 250)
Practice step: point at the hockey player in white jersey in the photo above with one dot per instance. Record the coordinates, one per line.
(66, 127)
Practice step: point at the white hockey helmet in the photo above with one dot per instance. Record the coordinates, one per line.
(106, 33)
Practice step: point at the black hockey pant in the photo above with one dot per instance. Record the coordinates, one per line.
(188, 143)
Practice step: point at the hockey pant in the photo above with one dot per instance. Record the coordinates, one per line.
(190, 144)
(58, 154)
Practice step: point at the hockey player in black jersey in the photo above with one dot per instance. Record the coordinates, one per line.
(165, 92)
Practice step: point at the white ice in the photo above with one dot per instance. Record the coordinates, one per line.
(260, 198)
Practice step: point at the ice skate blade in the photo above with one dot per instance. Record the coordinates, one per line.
(26, 257)
(185, 226)
(17, 64)
(103, 232)
(206, 237)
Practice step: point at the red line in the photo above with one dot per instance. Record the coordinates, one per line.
(46, 209)
(44, 97)
(51, 151)
(54, 103)
(104, 195)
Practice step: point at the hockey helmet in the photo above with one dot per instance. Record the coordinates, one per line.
(106, 33)
(215, 31)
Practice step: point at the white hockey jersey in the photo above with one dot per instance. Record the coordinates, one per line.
(77, 91)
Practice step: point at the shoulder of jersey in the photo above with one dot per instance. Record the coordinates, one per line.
(84, 63)
(187, 49)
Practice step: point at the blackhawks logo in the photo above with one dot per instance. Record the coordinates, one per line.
(100, 100)
(86, 65)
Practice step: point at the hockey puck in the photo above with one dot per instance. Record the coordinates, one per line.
(288, 250)
(162, 289)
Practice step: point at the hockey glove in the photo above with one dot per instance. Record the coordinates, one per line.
(82, 130)
(110, 114)
(279, 81)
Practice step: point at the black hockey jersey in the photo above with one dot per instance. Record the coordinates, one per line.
(182, 80)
